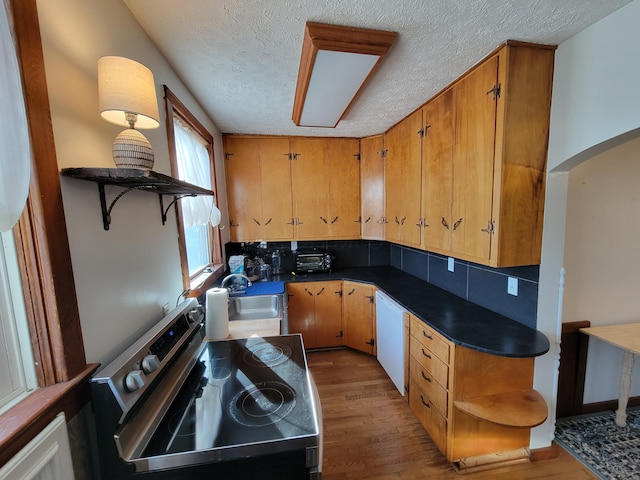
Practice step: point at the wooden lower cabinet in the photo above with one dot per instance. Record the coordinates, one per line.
(478, 408)
(358, 309)
(315, 310)
(333, 314)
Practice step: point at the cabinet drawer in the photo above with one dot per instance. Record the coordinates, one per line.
(434, 423)
(430, 339)
(432, 364)
(434, 391)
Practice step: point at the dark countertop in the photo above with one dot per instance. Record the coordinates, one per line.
(459, 320)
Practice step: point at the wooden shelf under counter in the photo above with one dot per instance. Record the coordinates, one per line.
(522, 408)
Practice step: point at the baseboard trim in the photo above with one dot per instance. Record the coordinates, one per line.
(608, 405)
(545, 453)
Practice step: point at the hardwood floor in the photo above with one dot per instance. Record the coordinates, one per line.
(370, 433)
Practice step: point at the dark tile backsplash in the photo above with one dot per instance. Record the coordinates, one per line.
(479, 284)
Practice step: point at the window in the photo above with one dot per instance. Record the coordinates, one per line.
(17, 375)
(191, 152)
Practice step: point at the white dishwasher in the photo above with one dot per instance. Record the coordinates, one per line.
(391, 339)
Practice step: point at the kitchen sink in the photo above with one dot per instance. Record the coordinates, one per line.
(256, 307)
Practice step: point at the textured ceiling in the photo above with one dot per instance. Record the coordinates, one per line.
(240, 57)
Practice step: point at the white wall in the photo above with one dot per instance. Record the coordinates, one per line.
(602, 257)
(595, 106)
(595, 89)
(123, 276)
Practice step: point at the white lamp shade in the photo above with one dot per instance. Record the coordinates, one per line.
(125, 85)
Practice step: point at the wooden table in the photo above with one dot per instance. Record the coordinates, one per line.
(627, 338)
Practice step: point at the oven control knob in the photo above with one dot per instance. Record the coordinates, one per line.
(134, 380)
(150, 363)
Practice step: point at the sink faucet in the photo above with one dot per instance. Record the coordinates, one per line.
(231, 277)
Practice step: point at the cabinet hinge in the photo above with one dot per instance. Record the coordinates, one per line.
(490, 227)
(496, 91)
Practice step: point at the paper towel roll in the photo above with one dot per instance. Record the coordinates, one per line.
(217, 316)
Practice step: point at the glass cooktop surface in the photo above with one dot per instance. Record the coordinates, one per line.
(240, 392)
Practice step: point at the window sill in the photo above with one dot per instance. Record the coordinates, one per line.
(205, 281)
(24, 421)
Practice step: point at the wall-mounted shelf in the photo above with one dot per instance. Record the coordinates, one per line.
(135, 179)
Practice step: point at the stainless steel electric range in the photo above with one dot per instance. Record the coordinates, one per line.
(173, 406)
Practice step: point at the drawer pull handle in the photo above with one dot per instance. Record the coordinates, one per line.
(425, 377)
(425, 353)
(427, 335)
(424, 403)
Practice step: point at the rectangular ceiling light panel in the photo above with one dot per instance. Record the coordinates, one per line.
(336, 62)
(335, 80)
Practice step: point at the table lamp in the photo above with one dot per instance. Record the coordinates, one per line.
(127, 97)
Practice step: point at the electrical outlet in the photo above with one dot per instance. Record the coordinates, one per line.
(294, 246)
(165, 309)
(512, 286)
(451, 264)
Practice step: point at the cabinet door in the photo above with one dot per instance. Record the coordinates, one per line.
(372, 187)
(474, 143)
(309, 188)
(328, 297)
(242, 166)
(275, 175)
(358, 308)
(342, 170)
(437, 172)
(301, 312)
(403, 181)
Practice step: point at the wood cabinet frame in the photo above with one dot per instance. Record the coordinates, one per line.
(45, 261)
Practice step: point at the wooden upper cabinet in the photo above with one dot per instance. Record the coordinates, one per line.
(403, 181)
(437, 172)
(242, 167)
(372, 187)
(499, 117)
(310, 187)
(326, 188)
(462, 176)
(259, 188)
(342, 166)
(473, 153)
(275, 174)
(522, 138)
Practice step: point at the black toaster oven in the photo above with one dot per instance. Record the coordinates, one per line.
(313, 261)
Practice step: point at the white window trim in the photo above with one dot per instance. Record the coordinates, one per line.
(14, 323)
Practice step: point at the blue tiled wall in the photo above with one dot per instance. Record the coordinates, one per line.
(479, 284)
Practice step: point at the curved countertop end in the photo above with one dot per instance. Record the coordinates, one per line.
(461, 321)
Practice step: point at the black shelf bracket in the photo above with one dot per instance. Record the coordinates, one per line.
(175, 199)
(106, 211)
